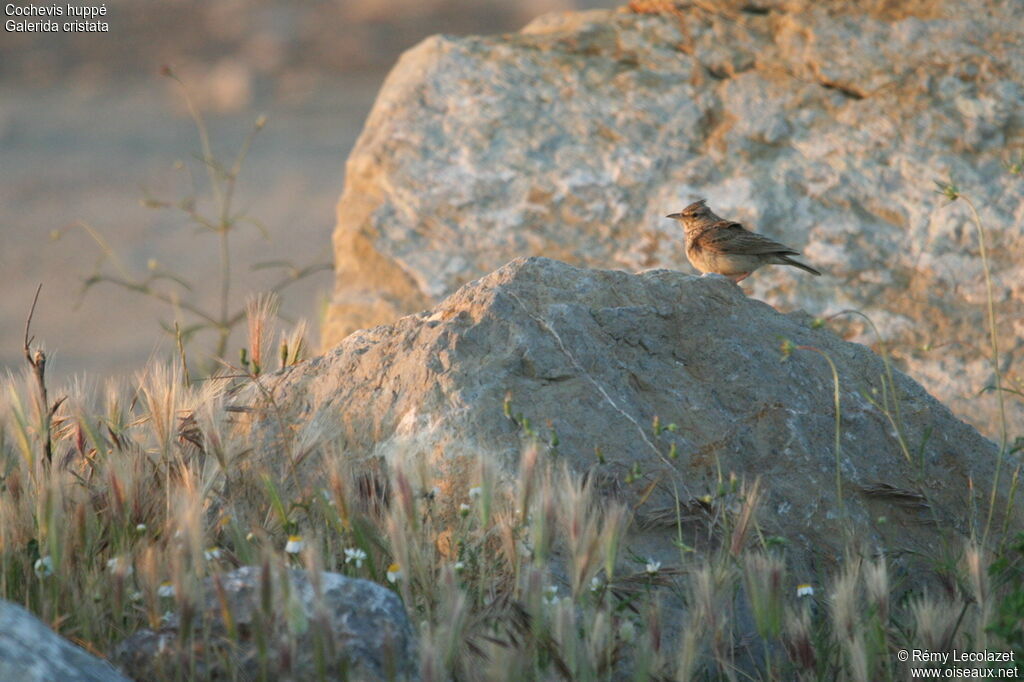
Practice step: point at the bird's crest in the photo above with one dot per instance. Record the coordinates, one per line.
(696, 206)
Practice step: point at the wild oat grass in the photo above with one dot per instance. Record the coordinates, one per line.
(134, 512)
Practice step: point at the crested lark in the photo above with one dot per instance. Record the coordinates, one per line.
(727, 248)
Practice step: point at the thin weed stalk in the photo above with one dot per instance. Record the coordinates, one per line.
(890, 406)
(787, 349)
(994, 341)
(175, 291)
(952, 192)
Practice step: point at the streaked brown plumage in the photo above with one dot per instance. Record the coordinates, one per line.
(727, 248)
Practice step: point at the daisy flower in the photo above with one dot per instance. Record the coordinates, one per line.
(295, 544)
(119, 566)
(43, 567)
(354, 555)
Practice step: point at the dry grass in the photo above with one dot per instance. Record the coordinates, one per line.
(534, 583)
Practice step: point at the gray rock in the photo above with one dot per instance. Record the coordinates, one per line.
(32, 652)
(595, 356)
(361, 627)
(820, 124)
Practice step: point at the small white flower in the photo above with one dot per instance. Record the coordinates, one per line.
(120, 567)
(653, 567)
(550, 595)
(212, 553)
(627, 631)
(43, 567)
(140, 528)
(166, 589)
(356, 556)
(295, 544)
(394, 573)
(464, 509)
(596, 583)
(475, 492)
(459, 566)
(804, 590)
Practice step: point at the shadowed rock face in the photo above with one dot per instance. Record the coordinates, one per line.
(32, 652)
(595, 356)
(818, 124)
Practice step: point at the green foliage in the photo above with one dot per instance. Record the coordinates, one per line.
(1007, 572)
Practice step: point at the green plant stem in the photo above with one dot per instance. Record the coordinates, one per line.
(204, 140)
(839, 417)
(144, 288)
(894, 416)
(994, 339)
(225, 288)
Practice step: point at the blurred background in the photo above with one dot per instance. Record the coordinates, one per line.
(89, 128)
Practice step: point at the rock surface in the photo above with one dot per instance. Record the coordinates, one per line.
(595, 356)
(32, 652)
(367, 635)
(820, 124)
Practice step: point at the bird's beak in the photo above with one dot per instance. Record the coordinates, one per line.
(675, 216)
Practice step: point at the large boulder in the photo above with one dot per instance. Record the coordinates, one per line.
(361, 628)
(32, 652)
(821, 124)
(595, 356)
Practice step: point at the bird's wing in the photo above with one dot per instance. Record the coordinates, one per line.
(730, 237)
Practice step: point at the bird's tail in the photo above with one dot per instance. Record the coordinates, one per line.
(797, 264)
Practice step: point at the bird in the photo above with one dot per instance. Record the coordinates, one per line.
(725, 247)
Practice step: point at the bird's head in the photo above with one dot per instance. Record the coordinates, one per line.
(694, 212)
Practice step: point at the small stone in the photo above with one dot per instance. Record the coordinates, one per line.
(371, 634)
